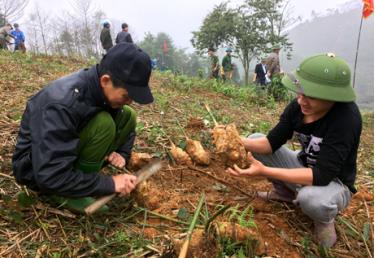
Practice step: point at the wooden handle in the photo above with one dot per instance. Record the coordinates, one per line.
(184, 249)
(98, 204)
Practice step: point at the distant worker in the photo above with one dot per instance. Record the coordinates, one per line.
(154, 63)
(227, 65)
(273, 61)
(105, 36)
(215, 66)
(19, 38)
(4, 34)
(260, 73)
(124, 35)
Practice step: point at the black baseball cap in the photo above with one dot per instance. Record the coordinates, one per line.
(132, 66)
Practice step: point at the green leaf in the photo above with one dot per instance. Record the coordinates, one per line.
(182, 144)
(25, 200)
(366, 231)
(16, 216)
(183, 213)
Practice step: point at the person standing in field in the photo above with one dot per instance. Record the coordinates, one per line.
(124, 35)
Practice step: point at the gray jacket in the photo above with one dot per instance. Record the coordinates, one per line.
(124, 36)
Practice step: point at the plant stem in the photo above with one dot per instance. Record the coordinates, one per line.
(185, 246)
(208, 222)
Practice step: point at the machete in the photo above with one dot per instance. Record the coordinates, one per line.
(142, 175)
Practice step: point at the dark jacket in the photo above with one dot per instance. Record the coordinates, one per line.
(106, 38)
(123, 36)
(260, 75)
(48, 138)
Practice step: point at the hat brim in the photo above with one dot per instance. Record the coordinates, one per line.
(317, 90)
(141, 95)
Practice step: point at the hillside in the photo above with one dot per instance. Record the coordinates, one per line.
(338, 33)
(33, 228)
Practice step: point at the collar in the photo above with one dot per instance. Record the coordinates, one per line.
(94, 92)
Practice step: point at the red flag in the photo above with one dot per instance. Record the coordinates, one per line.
(165, 47)
(368, 8)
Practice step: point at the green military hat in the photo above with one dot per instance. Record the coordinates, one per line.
(263, 56)
(276, 46)
(323, 76)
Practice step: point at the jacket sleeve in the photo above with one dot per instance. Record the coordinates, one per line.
(283, 131)
(129, 38)
(126, 149)
(54, 152)
(117, 41)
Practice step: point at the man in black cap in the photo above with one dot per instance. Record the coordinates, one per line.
(79, 122)
(124, 35)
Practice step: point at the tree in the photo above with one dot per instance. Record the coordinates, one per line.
(169, 57)
(38, 26)
(160, 47)
(83, 12)
(215, 28)
(250, 28)
(11, 10)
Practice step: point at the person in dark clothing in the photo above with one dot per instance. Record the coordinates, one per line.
(77, 124)
(325, 119)
(227, 65)
(105, 36)
(260, 73)
(124, 35)
(214, 66)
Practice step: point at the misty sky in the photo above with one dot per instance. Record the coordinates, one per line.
(175, 17)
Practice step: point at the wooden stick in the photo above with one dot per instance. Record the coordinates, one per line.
(182, 129)
(209, 112)
(252, 195)
(7, 176)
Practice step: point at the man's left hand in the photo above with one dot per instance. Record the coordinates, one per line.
(116, 160)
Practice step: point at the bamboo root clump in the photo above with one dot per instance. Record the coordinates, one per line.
(197, 153)
(229, 145)
(138, 160)
(180, 156)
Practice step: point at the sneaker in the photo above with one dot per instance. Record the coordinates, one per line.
(325, 234)
(273, 195)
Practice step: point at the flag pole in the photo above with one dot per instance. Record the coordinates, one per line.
(356, 54)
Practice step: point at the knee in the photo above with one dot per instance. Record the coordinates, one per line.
(318, 208)
(104, 124)
(256, 135)
(128, 117)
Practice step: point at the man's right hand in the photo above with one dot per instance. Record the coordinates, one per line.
(124, 183)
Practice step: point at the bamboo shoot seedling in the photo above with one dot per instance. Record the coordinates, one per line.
(180, 156)
(195, 150)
